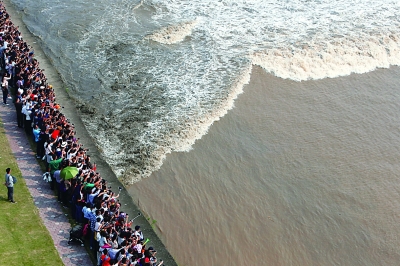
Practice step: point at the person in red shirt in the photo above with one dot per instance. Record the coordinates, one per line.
(55, 134)
(105, 259)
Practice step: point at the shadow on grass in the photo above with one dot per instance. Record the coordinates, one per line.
(3, 198)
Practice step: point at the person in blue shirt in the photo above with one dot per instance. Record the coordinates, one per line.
(36, 137)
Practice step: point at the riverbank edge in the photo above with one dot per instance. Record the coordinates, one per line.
(71, 112)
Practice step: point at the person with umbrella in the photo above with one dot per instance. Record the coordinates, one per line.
(66, 174)
(69, 172)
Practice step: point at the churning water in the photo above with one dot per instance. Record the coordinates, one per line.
(154, 75)
(303, 171)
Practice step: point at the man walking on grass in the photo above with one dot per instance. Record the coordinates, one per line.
(10, 185)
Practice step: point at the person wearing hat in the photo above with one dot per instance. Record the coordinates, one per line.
(145, 261)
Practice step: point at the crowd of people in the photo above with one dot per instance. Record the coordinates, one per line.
(90, 199)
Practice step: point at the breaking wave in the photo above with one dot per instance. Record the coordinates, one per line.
(338, 57)
(161, 72)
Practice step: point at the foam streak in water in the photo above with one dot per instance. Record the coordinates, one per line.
(139, 5)
(173, 34)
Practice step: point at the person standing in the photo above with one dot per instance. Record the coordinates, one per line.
(54, 165)
(43, 139)
(5, 94)
(28, 120)
(36, 136)
(9, 182)
(18, 109)
(4, 87)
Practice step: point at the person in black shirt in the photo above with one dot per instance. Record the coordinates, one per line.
(18, 109)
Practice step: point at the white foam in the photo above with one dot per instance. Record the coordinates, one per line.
(199, 127)
(336, 58)
(193, 130)
(189, 85)
(296, 40)
(173, 33)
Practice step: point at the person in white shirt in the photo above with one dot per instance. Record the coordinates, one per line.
(27, 125)
(138, 233)
(139, 246)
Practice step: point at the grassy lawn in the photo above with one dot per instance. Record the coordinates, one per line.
(24, 239)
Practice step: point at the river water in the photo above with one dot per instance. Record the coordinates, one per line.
(296, 174)
(298, 167)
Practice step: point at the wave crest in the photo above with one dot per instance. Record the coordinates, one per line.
(183, 139)
(174, 33)
(339, 57)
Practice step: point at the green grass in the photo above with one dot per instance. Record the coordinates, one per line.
(24, 239)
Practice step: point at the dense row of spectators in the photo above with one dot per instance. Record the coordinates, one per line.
(91, 200)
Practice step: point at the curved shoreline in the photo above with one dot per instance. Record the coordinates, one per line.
(70, 111)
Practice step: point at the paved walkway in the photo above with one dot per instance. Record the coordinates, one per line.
(49, 209)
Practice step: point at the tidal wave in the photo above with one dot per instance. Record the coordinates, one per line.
(172, 94)
(153, 75)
